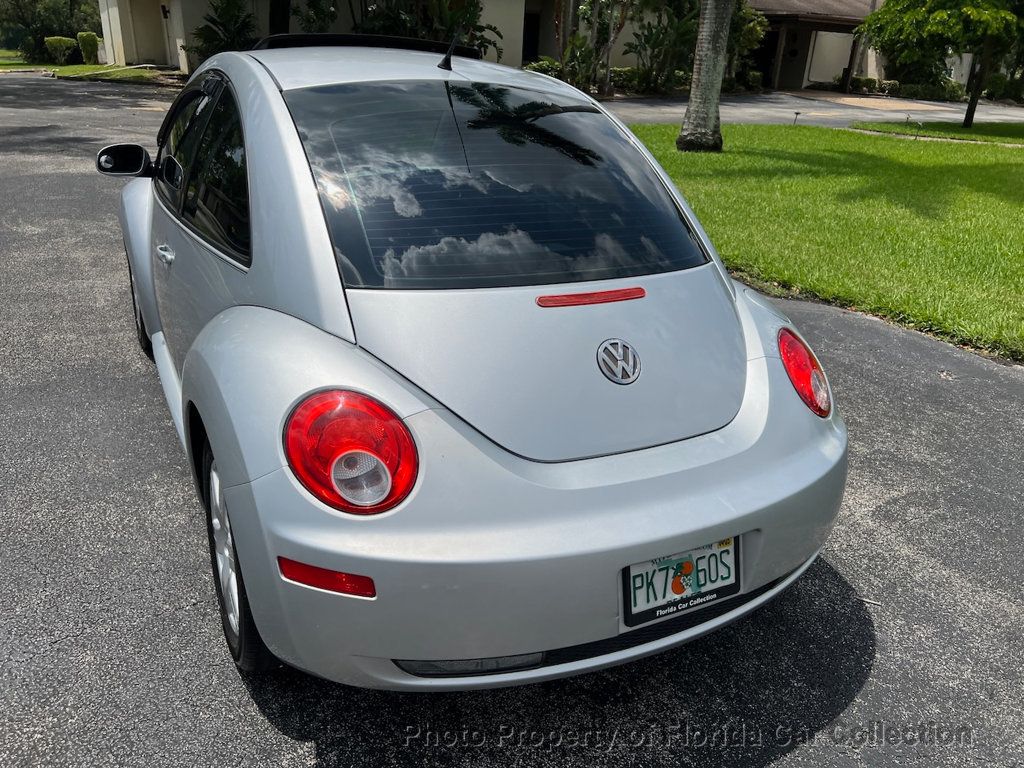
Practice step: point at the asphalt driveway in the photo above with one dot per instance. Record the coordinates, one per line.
(902, 644)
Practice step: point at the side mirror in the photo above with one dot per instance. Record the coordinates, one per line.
(124, 160)
(171, 172)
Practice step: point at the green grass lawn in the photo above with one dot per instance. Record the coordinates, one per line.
(1005, 133)
(12, 60)
(930, 234)
(103, 72)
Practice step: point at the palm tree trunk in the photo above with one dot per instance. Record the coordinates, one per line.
(702, 131)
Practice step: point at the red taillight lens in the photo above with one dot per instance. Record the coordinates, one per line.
(322, 578)
(351, 452)
(805, 372)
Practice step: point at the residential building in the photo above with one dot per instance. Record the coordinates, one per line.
(154, 31)
(812, 41)
(807, 41)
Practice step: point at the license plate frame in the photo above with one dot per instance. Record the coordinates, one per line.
(681, 604)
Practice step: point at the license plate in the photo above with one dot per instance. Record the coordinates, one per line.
(681, 582)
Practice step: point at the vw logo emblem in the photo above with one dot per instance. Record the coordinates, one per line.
(618, 361)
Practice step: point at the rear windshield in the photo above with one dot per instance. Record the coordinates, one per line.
(430, 184)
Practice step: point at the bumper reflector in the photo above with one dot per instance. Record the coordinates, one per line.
(463, 667)
(323, 578)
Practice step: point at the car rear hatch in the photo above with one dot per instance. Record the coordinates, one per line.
(454, 206)
(529, 378)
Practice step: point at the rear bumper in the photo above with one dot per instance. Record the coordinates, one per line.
(493, 555)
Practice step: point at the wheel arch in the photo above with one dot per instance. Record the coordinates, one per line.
(195, 439)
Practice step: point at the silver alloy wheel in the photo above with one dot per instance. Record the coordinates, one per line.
(224, 547)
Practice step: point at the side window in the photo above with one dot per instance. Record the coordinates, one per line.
(217, 191)
(179, 145)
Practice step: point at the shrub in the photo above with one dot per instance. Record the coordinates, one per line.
(889, 87)
(11, 36)
(89, 43)
(623, 78)
(229, 27)
(949, 90)
(59, 48)
(729, 85)
(546, 66)
(434, 20)
(578, 62)
(868, 84)
(755, 80)
(662, 42)
(999, 86)
(317, 16)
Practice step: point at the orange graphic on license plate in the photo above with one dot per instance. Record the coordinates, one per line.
(678, 587)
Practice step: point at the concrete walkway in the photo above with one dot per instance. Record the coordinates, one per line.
(815, 107)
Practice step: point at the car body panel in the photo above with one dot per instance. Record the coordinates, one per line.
(383, 673)
(487, 542)
(285, 217)
(244, 402)
(136, 216)
(527, 376)
(170, 383)
(195, 287)
(313, 66)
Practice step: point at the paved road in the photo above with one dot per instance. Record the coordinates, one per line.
(110, 649)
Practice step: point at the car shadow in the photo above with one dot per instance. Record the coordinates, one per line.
(19, 91)
(742, 696)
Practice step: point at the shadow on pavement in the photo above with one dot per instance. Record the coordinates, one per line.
(742, 696)
(19, 91)
(47, 139)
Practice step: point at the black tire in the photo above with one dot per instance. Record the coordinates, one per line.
(140, 324)
(247, 648)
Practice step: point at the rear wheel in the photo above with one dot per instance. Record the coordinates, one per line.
(244, 641)
(140, 325)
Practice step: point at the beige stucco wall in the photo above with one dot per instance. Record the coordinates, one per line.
(619, 57)
(507, 16)
(960, 67)
(830, 53)
(147, 24)
(178, 57)
(113, 42)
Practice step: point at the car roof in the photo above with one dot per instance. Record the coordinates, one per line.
(305, 67)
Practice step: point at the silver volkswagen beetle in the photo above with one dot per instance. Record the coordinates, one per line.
(469, 397)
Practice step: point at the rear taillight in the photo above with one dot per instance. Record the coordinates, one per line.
(805, 372)
(351, 452)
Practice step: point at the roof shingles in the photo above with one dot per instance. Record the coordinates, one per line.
(834, 9)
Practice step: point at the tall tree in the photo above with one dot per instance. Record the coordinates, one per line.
(702, 127)
(984, 28)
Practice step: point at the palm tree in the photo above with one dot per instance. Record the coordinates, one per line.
(702, 130)
(518, 125)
